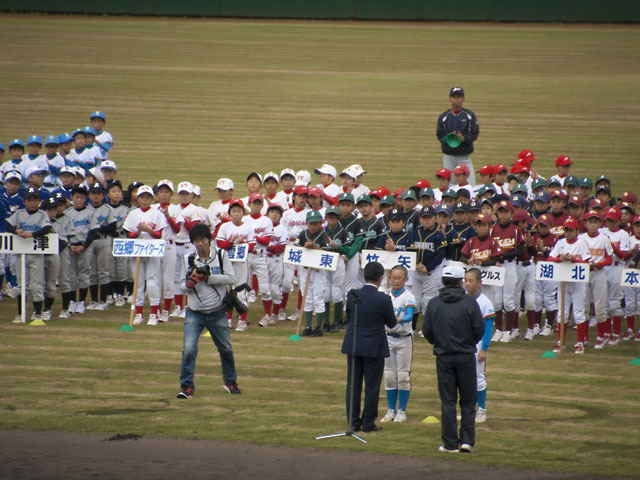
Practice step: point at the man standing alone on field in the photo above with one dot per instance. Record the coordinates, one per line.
(461, 123)
(454, 324)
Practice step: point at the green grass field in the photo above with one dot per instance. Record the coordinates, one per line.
(199, 99)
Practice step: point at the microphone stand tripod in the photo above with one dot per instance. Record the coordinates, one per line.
(349, 431)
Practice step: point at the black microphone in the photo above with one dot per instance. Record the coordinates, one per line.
(356, 297)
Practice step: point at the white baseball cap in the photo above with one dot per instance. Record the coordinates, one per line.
(145, 189)
(166, 183)
(287, 171)
(13, 174)
(79, 171)
(328, 169)
(34, 169)
(66, 169)
(273, 175)
(350, 172)
(357, 169)
(96, 172)
(185, 187)
(196, 190)
(108, 164)
(224, 184)
(453, 271)
(303, 177)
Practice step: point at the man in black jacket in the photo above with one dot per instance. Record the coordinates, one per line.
(453, 323)
(375, 310)
(464, 124)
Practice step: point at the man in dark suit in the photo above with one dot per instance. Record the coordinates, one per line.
(375, 310)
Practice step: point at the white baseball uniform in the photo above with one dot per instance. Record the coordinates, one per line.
(169, 261)
(488, 313)
(397, 366)
(620, 242)
(191, 214)
(261, 229)
(105, 137)
(279, 239)
(241, 269)
(632, 295)
(331, 190)
(280, 198)
(599, 250)
(294, 220)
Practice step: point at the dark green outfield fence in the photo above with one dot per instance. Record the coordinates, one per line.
(481, 10)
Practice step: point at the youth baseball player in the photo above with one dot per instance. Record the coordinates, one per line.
(275, 249)
(103, 139)
(546, 291)
(79, 215)
(117, 265)
(397, 366)
(632, 295)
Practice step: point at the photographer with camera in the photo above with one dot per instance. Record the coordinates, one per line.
(207, 276)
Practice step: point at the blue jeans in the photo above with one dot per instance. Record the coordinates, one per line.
(216, 323)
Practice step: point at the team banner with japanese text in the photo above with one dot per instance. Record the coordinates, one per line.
(137, 247)
(630, 277)
(44, 245)
(238, 253)
(389, 259)
(492, 275)
(562, 272)
(309, 257)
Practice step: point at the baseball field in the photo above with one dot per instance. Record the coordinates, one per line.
(196, 100)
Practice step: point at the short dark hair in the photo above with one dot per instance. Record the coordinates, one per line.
(451, 282)
(373, 271)
(199, 230)
(476, 273)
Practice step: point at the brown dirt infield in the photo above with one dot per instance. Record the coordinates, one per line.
(51, 455)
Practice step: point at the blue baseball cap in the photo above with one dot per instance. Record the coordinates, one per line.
(76, 132)
(460, 207)
(89, 130)
(518, 200)
(98, 114)
(16, 142)
(31, 192)
(64, 137)
(428, 212)
(395, 214)
(2, 147)
(34, 139)
(473, 206)
(52, 140)
(442, 208)
(542, 196)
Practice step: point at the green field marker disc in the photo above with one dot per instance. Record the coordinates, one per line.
(294, 338)
(549, 354)
(37, 323)
(635, 361)
(127, 328)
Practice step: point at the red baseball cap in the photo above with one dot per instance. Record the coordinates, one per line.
(526, 155)
(506, 205)
(519, 167)
(636, 219)
(556, 193)
(500, 168)
(461, 169)
(300, 190)
(545, 219)
(398, 192)
(484, 218)
(576, 200)
(521, 216)
(524, 162)
(444, 172)
(613, 213)
(236, 201)
(255, 196)
(384, 191)
(423, 184)
(485, 170)
(563, 161)
(629, 197)
(626, 206)
(592, 214)
(571, 224)
(595, 203)
(315, 192)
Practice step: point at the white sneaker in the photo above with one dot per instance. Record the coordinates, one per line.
(64, 314)
(529, 335)
(515, 333)
(466, 448)
(92, 305)
(15, 291)
(401, 416)
(497, 335)
(101, 306)
(46, 315)
(80, 307)
(294, 316)
(72, 306)
(17, 319)
(242, 326)
(536, 329)
(265, 321)
(546, 331)
(153, 319)
(120, 301)
(282, 315)
(138, 320)
(33, 316)
(252, 296)
(441, 448)
(176, 312)
(110, 300)
(390, 415)
(273, 319)
(164, 316)
(481, 415)
(183, 313)
(505, 337)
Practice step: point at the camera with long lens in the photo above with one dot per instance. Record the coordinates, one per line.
(231, 301)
